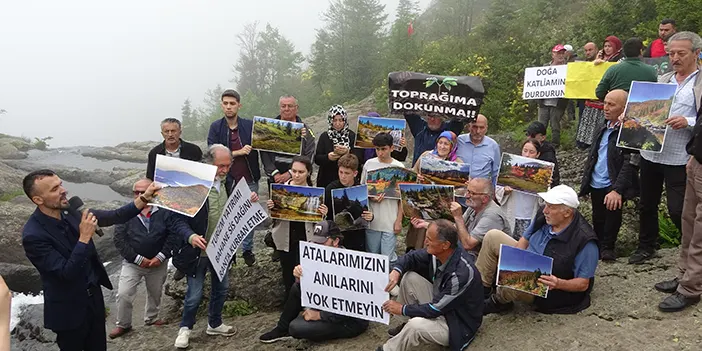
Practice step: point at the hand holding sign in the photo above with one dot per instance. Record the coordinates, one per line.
(393, 307)
(392, 281)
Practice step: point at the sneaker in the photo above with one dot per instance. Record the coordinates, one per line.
(276, 334)
(119, 331)
(492, 306)
(641, 256)
(178, 275)
(608, 255)
(223, 329)
(249, 258)
(394, 331)
(183, 339)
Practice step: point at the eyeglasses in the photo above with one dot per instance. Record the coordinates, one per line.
(138, 192)
(471, 193)
(288, 105)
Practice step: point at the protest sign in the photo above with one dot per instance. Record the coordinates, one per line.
(345, 282)
(437, 96)
(239, 218)
(661, 64)
(547, 82)
(186, 184)
(582, 79)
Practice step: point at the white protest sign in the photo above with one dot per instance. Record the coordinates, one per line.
(239, 218)
(345, 282)
(547, 82)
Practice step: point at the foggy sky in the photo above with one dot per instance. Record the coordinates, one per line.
(99, 73)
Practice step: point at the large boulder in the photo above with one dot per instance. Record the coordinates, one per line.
(29, 333)
(21, 278)
(13, 216)
(10, 152)
(10, 181)
(124, 185)
(76, 175)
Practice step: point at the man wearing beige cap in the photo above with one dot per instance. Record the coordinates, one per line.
(560, 229)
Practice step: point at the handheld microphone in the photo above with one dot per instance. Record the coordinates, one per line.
(76, 210)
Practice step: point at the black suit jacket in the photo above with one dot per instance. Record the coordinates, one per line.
(188, 151)
(61, 259)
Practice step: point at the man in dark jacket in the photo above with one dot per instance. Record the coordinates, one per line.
(277, 166)
(235, 133)
(58, 242)
(440, 291)
(172, 146)
(426, 131)
(547, 152)
(312, 324)
(610, 176)
(145, 242)
(559, 232)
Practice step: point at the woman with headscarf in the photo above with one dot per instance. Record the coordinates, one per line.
(337, 141)
(445, 149)
(593, 115)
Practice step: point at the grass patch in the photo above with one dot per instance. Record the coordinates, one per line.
(238, 308)
(11, 195)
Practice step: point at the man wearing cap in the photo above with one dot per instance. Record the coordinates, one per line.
(560, 232)
(172, 146)
(552, 110)
(440, 292)
(570, 56)
(547, 152)
(235, 133)
(277, 166)
(312, 324)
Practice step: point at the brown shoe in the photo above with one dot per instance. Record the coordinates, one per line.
(119, 331)
(158, 322)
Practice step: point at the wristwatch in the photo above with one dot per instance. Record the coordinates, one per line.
(143, 198)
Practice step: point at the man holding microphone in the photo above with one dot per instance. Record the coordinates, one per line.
(59, 244)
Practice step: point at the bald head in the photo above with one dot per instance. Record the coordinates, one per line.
(478, 129)
(614, 104)
(590, 51)
(140, 186)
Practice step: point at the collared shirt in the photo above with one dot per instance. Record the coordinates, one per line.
(146, 220)
(674, 152)
(600, 176)
(585, 261)
(491, 217)
(484, 158)
(176, 153)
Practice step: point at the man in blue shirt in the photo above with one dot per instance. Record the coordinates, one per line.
(560, 232)
(610, 176)
(480, 151)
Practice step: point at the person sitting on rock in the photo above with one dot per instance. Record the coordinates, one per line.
(193, 261)
(439, 290)
(307, 323)
(560, 232)
(145, 242)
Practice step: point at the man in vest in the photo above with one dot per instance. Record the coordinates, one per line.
(559, 229)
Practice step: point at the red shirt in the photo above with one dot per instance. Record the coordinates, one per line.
(240, 167)
(657, 48)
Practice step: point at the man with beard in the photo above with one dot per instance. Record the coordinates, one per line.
(666, 29)
(235, 132)
(59, 244)
(590, 51)
(192, 259)
(668, 166)
(172, 146)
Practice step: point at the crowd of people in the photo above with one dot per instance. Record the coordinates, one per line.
(443, 283)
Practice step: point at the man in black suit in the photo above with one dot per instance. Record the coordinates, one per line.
(172, 146)
(60, 246)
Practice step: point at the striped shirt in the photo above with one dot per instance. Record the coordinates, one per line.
(673, 152)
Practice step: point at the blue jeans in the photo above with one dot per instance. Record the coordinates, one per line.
(247, 244)
(193, 296)
(381, 243)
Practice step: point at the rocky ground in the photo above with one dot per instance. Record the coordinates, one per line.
(623, 315)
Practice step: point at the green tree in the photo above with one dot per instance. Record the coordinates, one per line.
(190, 124)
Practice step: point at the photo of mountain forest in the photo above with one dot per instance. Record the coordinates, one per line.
(369, 127)
(646, 110)
(427, 201)
(525, 174)
(270, 134)
(442, 172)
(387, 180)
(296, 203)
(520, 270)
(348, 204)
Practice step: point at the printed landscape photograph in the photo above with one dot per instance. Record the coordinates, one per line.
(646, 110)
(387, 180)
(270, 134)
(369, 127)
(186, 184)
(427, 201)
(296, 203)
(442, 172)
(520, 270)
(347, 205)
(525, 174)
